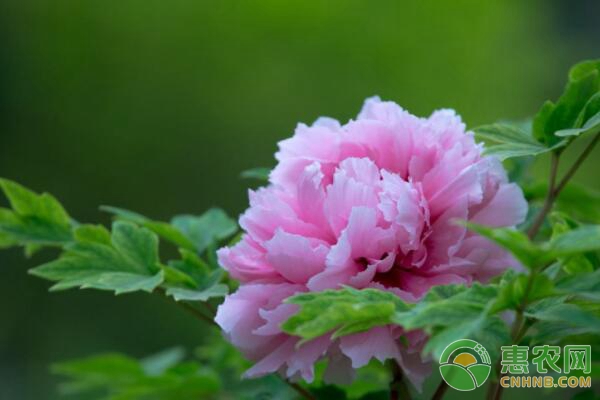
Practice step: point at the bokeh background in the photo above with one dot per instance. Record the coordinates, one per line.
(157, 106)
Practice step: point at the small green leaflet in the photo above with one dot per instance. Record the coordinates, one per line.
(513, 141)
(124, 261)
(190, 232)
(565, 114)
(212, 226)
(35, 219)
(590, 127)
(580, 240)
(218, 290)
(445, 312)
(514, 241)
(163, 376)
(259, 173)
(579, 201)
(343, 311)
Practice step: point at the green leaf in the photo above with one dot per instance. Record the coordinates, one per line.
(512, 293)
(447, 313)
(489, 330)
(343, 311)
(583, 239)
(584, 285)
(260, 173)
(163, 229)
(117, 377)
(219, 290)
(127, 263)
(569, 314)
(590, 127)
(189, 232)
(447, 305)
(158, 363)
(34, 219)
(206, 229)
(584, 82)
(579, 201)
(513, 141)
(516, 242)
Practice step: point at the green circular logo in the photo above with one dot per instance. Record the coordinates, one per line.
(465, 365)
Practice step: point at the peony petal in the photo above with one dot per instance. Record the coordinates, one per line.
(296, 257)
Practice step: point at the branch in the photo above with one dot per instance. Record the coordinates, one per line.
(300, 390)
(398, 388)
(440, 391)
(550, 197)
(189, 308)
(569, 174)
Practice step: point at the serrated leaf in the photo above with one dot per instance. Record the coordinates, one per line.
(511, 294)
(189, 232)
(491, 331)
(204, 230)
(590, 127)
(568, 314)
(447, 305)
(117, 377)
(580, 240)
(163, 229)
(585, 285)
(259, 173)
(342, 312)
(179, 294)
(516, 242)
(128, 263)
(37, 219)
(584, 82)
(513, 141)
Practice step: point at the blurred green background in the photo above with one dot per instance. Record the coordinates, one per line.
(157, 106)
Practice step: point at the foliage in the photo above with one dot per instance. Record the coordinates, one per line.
(555, 298)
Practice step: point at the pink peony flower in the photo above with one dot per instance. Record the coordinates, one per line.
(368, 204)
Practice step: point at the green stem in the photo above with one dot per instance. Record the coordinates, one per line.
(398, 388)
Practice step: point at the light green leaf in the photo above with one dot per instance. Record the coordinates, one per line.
(163, 229)
(590, 127)
(128, 263)
(512, 293)
(584, 285)
(447, 305)
(343, 311)
(513, 141)
(34, 219)
(580, 240)
(179, 294)
(189, 232)
(569, 314)
(260, 173)
(158, 363)
(206, 229)
(516, 242)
